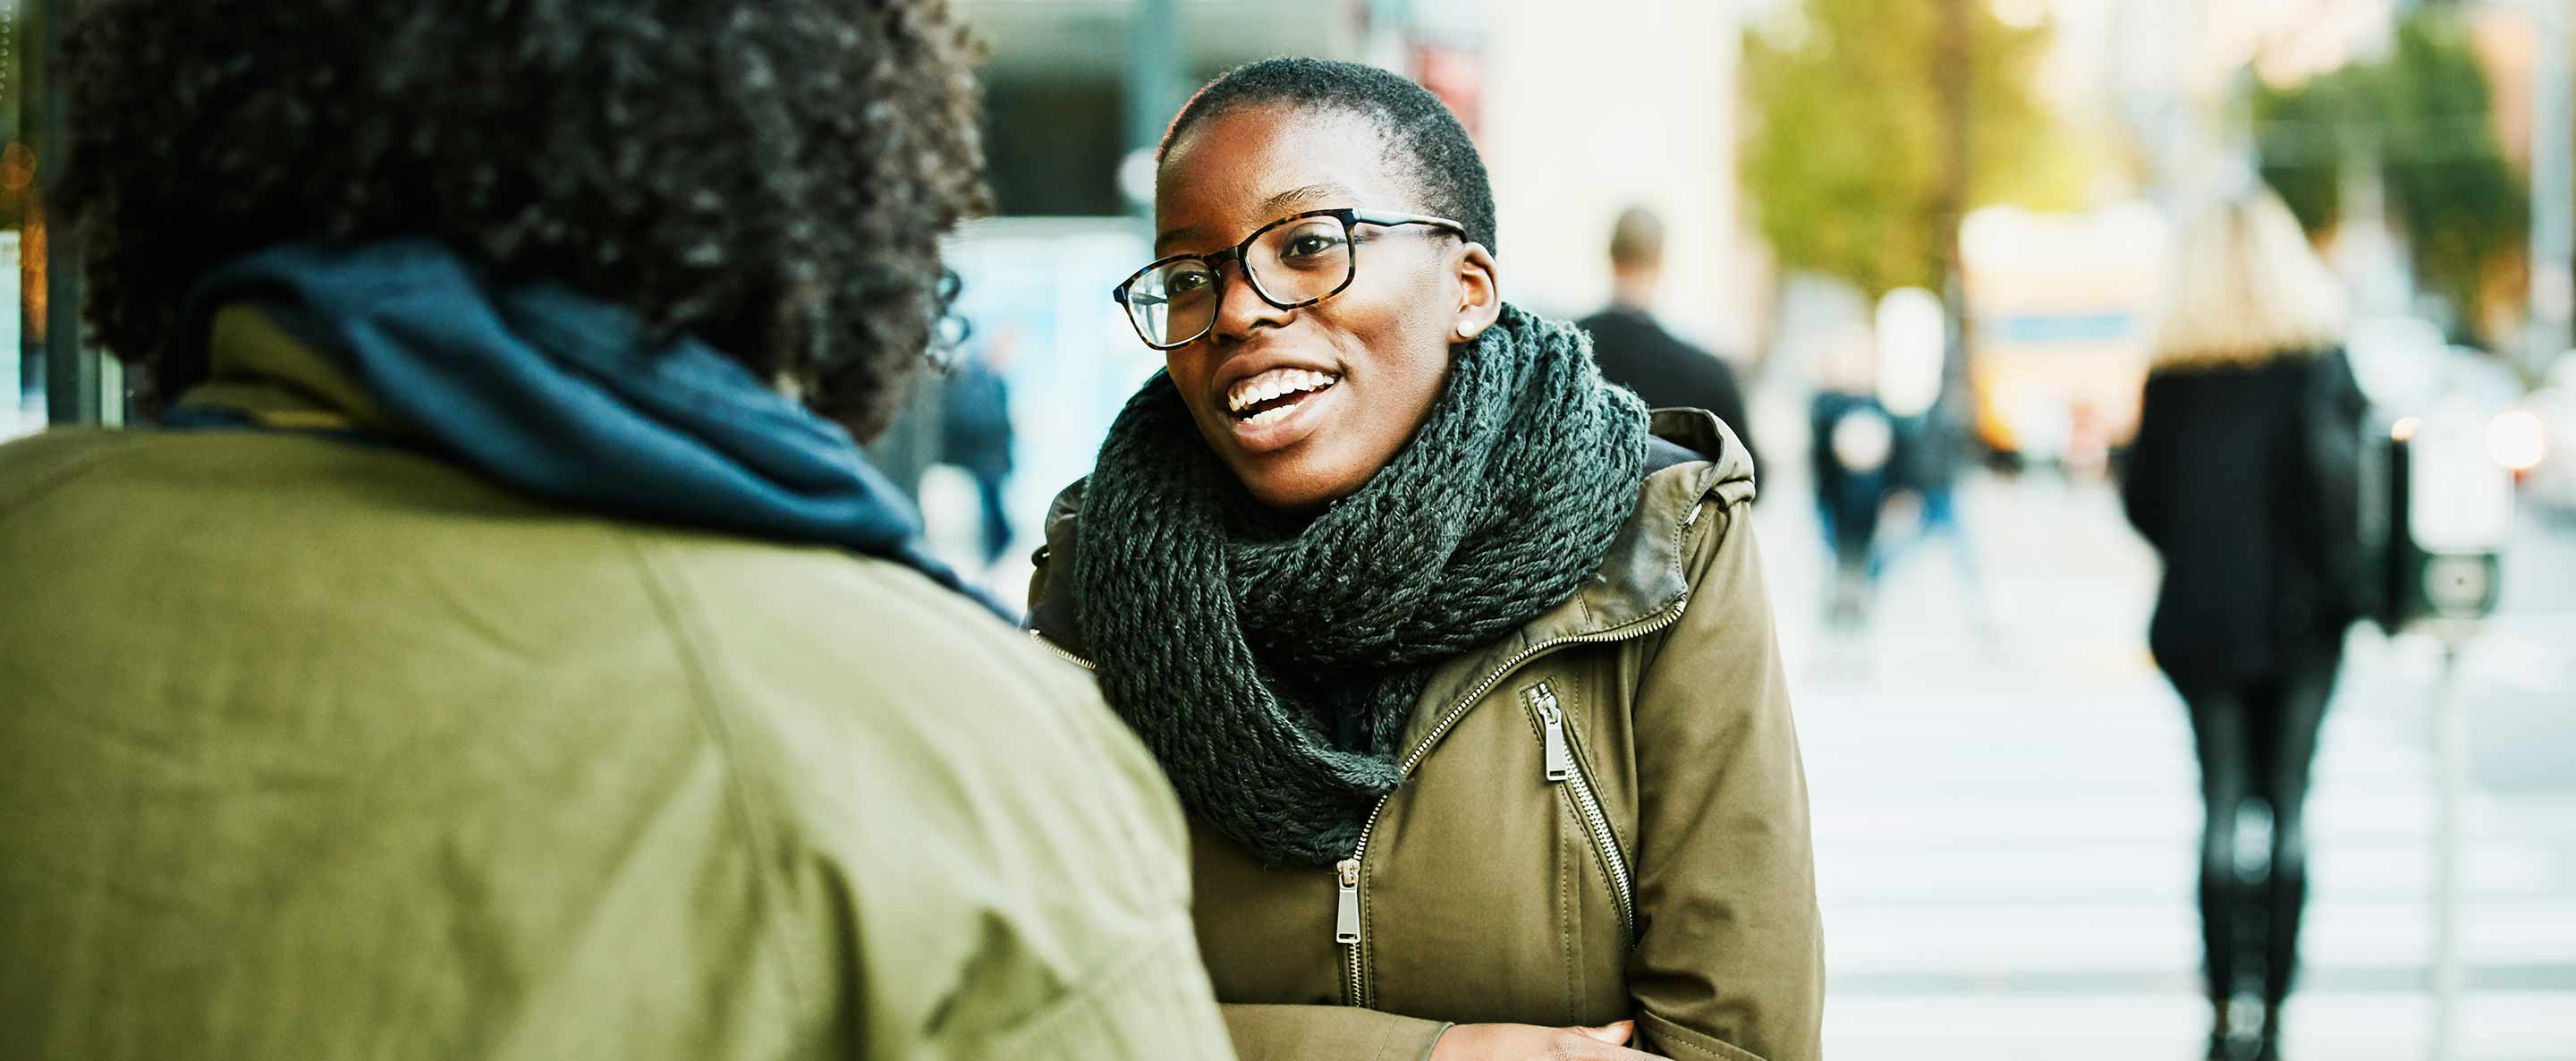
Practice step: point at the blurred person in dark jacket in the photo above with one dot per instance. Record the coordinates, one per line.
(1914, 340)
(2243, 477)
(1634, 350)
(1851, 450)
(975, 435)
(499, 648)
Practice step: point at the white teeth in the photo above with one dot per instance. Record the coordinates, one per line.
(1272, 384)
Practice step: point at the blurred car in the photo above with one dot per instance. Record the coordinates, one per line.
(2550, 483)
(2408, 372)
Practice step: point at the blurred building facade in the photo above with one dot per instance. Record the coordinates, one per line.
(1579, 109)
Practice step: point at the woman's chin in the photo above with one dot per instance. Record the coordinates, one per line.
(1287, 484)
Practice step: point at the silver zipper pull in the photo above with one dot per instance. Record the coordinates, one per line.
(1346, 925)
(1558, 761)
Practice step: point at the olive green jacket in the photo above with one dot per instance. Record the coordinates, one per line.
(1604, 817)
(320, 748)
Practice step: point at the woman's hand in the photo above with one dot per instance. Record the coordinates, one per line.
(1529, 1042)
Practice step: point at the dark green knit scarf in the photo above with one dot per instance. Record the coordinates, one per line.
(1237, 645)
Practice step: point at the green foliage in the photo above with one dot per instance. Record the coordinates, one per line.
(2304, 139)
(2425, 118)
(2454, 193)
(1843, 158)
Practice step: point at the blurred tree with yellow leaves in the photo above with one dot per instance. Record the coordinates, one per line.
(1853, 156)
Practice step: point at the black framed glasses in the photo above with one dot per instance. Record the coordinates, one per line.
(1296, 261)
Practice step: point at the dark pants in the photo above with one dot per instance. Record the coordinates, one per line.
(997, 520)
(2256, 741)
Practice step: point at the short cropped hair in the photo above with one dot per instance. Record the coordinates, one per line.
(770, 176)
(1636, 238)
(1421, 134)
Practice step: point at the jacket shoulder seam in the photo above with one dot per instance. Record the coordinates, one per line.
(675, 607)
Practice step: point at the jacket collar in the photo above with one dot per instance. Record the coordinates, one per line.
(258, 373)
(549, 391)
(1694, 458)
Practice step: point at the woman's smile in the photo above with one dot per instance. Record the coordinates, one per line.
(1274, 408)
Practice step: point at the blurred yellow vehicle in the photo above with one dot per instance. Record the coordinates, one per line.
(2059, 326)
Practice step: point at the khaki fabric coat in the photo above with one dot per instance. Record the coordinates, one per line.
(321, 748)
(1604, 817)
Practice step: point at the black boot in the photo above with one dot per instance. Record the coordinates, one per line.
(2288, 900)
(2223, 903)
(2222, 1040)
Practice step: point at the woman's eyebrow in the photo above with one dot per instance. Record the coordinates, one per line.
(1307, 194)
(1270, 206)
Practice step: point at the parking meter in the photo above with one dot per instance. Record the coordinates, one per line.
(2448, 512)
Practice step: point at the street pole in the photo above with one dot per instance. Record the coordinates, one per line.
(76, 388)
(1154, 87)
(2451, 765)
(1952, 69)
(2553, 186)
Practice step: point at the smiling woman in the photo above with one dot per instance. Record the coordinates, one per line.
(1459, 659)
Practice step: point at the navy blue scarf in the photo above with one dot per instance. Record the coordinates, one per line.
(559, 395)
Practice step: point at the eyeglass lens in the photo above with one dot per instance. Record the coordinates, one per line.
(1295, 262)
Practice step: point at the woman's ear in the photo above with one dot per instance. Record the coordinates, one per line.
(1480, 297)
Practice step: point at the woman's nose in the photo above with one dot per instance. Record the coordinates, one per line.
(1240, 308)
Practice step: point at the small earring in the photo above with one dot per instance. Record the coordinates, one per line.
(1466, 331)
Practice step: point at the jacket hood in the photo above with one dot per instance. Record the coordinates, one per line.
(558, 394)
(1691, 458)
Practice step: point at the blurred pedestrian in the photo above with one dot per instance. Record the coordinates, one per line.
(1389, 578)
(975, 436)
(490, 656)
(1851, 441)
(2244, 477)
(1634, 350)
(1931, 444)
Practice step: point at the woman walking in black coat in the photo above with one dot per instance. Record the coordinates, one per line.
(2242, 478)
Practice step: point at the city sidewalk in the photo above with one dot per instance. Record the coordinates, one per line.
(2007, 819)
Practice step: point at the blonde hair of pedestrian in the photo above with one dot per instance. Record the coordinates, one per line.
(2247, 288)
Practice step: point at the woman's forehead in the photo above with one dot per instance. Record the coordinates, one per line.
(1236, 171)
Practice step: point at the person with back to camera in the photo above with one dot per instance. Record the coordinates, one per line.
(1463, 667)
(2244, 478)
(1634, 350)
(489, 657)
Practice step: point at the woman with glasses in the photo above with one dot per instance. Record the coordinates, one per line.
(1460, 660)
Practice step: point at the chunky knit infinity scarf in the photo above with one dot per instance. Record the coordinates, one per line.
(1238, 646)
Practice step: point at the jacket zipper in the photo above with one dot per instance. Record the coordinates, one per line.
(1353, 982)
(1060, 651)
(1560, 766)
(1346, 873)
